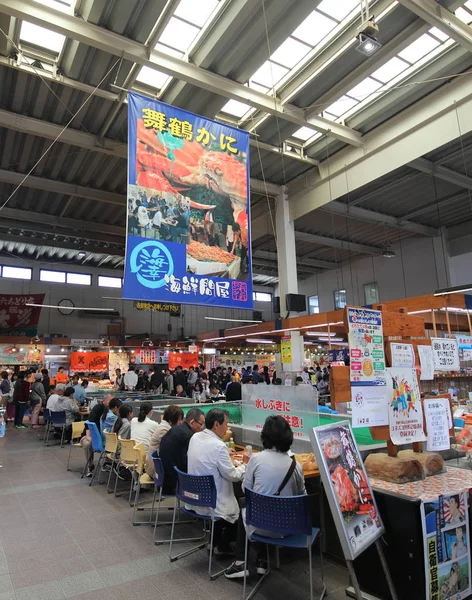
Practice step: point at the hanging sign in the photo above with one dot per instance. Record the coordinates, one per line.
(27, 355)
(173, 309)
(438, 422)
(188, 186)
(183, 359)
(347, 487)
(445, 522)
(89, 361)
(445, 354)
(286, 350)
(366, 347)
(403, 355)
(464, 342)
(17, 319)
(86, 342)
(426, 362)
(405, 410)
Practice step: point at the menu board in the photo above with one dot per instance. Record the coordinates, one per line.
(347, 487)
(445, 354)
(426, 362)
(366, 347)
(403, 355)
(445, 522)
(405, 410)
(438, 422)
(286, 350)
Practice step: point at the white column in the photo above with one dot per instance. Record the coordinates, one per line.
(288, 278)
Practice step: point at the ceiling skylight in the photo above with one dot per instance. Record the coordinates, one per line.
(65, 6)
(390, 69)
(305, 133)
(179, 34)
(235, 108)
(463, 15)
(153, 78)
(169, 51)
(41, 37)
(364, 88)
(269, 74)
(314, 28)
(196, 12)
(439, 34)
(290, 53)
(419, 48)
(338, 9)
(341, 106)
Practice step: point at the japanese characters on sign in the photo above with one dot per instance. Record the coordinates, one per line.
(150, 356)
(188, 237)
(89, 361)
(183, 359)
(445, 521)
(347, 487)
(426, 362)
(173, 309)
(286, 350)
(405, 409)
(403, 355)
(445, 354)
(86, 342)
(370, 405)
(438, 422)
(16, 318)
(464, 341)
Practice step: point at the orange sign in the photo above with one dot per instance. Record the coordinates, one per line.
(89, 361)
(184, 360)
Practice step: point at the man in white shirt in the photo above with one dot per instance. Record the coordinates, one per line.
(208, 455)
(156, 224)
(130, 379)
(53, 400)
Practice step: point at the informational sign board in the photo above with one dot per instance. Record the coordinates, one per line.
(445, 521)
(347, 487)
(405, 410)
(438, 418)
(370, 405)
(188, 192)
(183, 359)
(16, 318)
(445, 354)
(86, 341)
(464, 342)
(286, 350)
(89, 361)
(426, 362)
(366, 347)
(173, 309)
(22, 355)
(403, 355)
(150, 356)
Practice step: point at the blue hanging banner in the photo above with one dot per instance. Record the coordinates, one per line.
(188, 226)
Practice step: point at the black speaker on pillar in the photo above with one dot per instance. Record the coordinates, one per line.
(257, 315)
(296, 302)
(276, 305)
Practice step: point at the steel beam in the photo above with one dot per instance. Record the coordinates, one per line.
(436, 204)
(441, 172)
(22, 239)
(317, 264)
(438, 16)
(322, 240)
(117, 45)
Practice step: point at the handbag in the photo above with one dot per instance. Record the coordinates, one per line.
(286, 479)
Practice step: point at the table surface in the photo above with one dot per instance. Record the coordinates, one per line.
(307, 474)
(452, 481)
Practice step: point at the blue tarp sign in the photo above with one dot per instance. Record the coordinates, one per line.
(188, 229)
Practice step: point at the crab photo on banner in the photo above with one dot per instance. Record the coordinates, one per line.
(188, 226)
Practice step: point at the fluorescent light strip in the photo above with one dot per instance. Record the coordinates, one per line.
(232, 320)
(454, 290)
(419, 312)
(320, 333)
(69, 307)
(260, 341)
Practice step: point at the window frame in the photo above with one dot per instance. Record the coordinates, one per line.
(78, 274)
(341, 291)
(3, 267)
(255, 298)
(116, 287)
(376, 286)
(316, 312)
(52, 280)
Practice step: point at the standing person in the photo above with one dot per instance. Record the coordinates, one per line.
(233, 391)
(168, 382)
(255, 374)
(142, 427)
(265, 375)
(130, 379)
(173, 415)
(21, 394)
(192, 378)
(157, 379)
(37, 400)
(208, 455)
(119, 381)
(179, 378)
(156, 224)
(61, 377)
(7, 396)
(46, 381)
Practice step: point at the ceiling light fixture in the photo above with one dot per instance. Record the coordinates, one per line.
(388, 252)
(253, 341)
(366, 37)
(458, 289)
(232, 320)
(68, 307)
(81, 254)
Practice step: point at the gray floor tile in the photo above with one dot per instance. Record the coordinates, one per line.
(43, 591)
(81, 583)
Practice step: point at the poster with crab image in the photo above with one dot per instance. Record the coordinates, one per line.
(188, 225)
(347, 487)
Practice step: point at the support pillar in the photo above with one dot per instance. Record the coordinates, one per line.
(288, 278)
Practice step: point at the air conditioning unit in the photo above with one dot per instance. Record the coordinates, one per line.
(98, 314)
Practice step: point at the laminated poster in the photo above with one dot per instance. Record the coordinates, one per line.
(347, 487)
(405, 410)
(403, 355)
(366, 347)
(446, 547)
(445, 354)
(438, 422)
(369, 405)
(426, 362)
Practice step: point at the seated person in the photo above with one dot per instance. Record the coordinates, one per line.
(214, 394)
(179, 391)
(208, 455)
(67, 404)
(173, 415)
(79, 391)
(174, 446)
(142, 427)
(96, 414)
(109, 417)
(53, 400)
(122, 425)
(265, 474)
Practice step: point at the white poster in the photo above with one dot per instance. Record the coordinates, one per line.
(370, 405)
(366, 347)
(403, 355)
(405, 410)
(438, 418)
(447, 547)
(426, 362)
(445, 354)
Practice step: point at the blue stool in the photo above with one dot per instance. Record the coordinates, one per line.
(57, 420)
(198, 491)
(285, 515)
(459, 423)
(97, 446)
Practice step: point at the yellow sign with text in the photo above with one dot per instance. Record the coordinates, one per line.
(286, 350)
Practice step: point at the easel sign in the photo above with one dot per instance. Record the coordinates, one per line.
(349, 494)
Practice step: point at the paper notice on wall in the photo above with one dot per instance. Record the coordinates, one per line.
(370, 405)
(403, 355)
(438, 416)
(445, 354)
(405, 410)
(426, 362)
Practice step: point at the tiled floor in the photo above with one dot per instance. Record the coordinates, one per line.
(59, 539)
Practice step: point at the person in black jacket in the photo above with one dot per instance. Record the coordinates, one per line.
(97, 415)
(174, 446)
(46, 381)
(157, 379)
(233, 391)
(179, 378)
